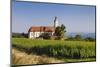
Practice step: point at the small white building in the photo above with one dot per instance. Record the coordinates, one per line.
(36, 31)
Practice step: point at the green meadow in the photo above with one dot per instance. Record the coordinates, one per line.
(56, 48)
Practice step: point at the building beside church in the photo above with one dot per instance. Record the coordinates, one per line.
(37, 31)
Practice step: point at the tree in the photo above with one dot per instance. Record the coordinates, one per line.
(17, 35)
(59, 31)
(78, 37)
(89, 39)
(63, 30)
(20, 35)
(24, 35)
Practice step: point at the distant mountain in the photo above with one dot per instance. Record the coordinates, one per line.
(84, 35)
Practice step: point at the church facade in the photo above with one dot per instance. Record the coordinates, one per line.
(36, 31)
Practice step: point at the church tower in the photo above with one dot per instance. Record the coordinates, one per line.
(55, 22)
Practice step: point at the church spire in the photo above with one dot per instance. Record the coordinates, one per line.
(55, 22)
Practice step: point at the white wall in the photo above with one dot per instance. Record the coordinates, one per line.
(33, 35)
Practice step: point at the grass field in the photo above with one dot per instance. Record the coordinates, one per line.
(59, 49)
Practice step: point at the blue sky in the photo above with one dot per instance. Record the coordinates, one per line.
(76, 18)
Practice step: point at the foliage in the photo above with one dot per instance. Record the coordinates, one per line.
(59, 31)
(57, 48)
(24, 35)
(45, 36)
(89, 39)
(78, 37)
(22, 58)
(20, 35)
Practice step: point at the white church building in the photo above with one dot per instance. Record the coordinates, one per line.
(36, 31)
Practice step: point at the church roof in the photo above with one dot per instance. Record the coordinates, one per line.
(41, 29)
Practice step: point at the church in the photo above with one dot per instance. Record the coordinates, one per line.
(35, 31)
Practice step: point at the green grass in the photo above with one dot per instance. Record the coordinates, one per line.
(79, 60)
(57, 48)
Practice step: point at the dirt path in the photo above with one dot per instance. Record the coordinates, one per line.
(22, 58)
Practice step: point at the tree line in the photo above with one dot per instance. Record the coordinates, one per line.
(80, 38)
(20, 35)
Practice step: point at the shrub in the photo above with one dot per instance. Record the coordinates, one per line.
(45, 36)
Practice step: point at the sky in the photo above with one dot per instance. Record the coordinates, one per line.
(76, 18)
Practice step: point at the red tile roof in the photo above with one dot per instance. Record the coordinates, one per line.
(41, 29)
